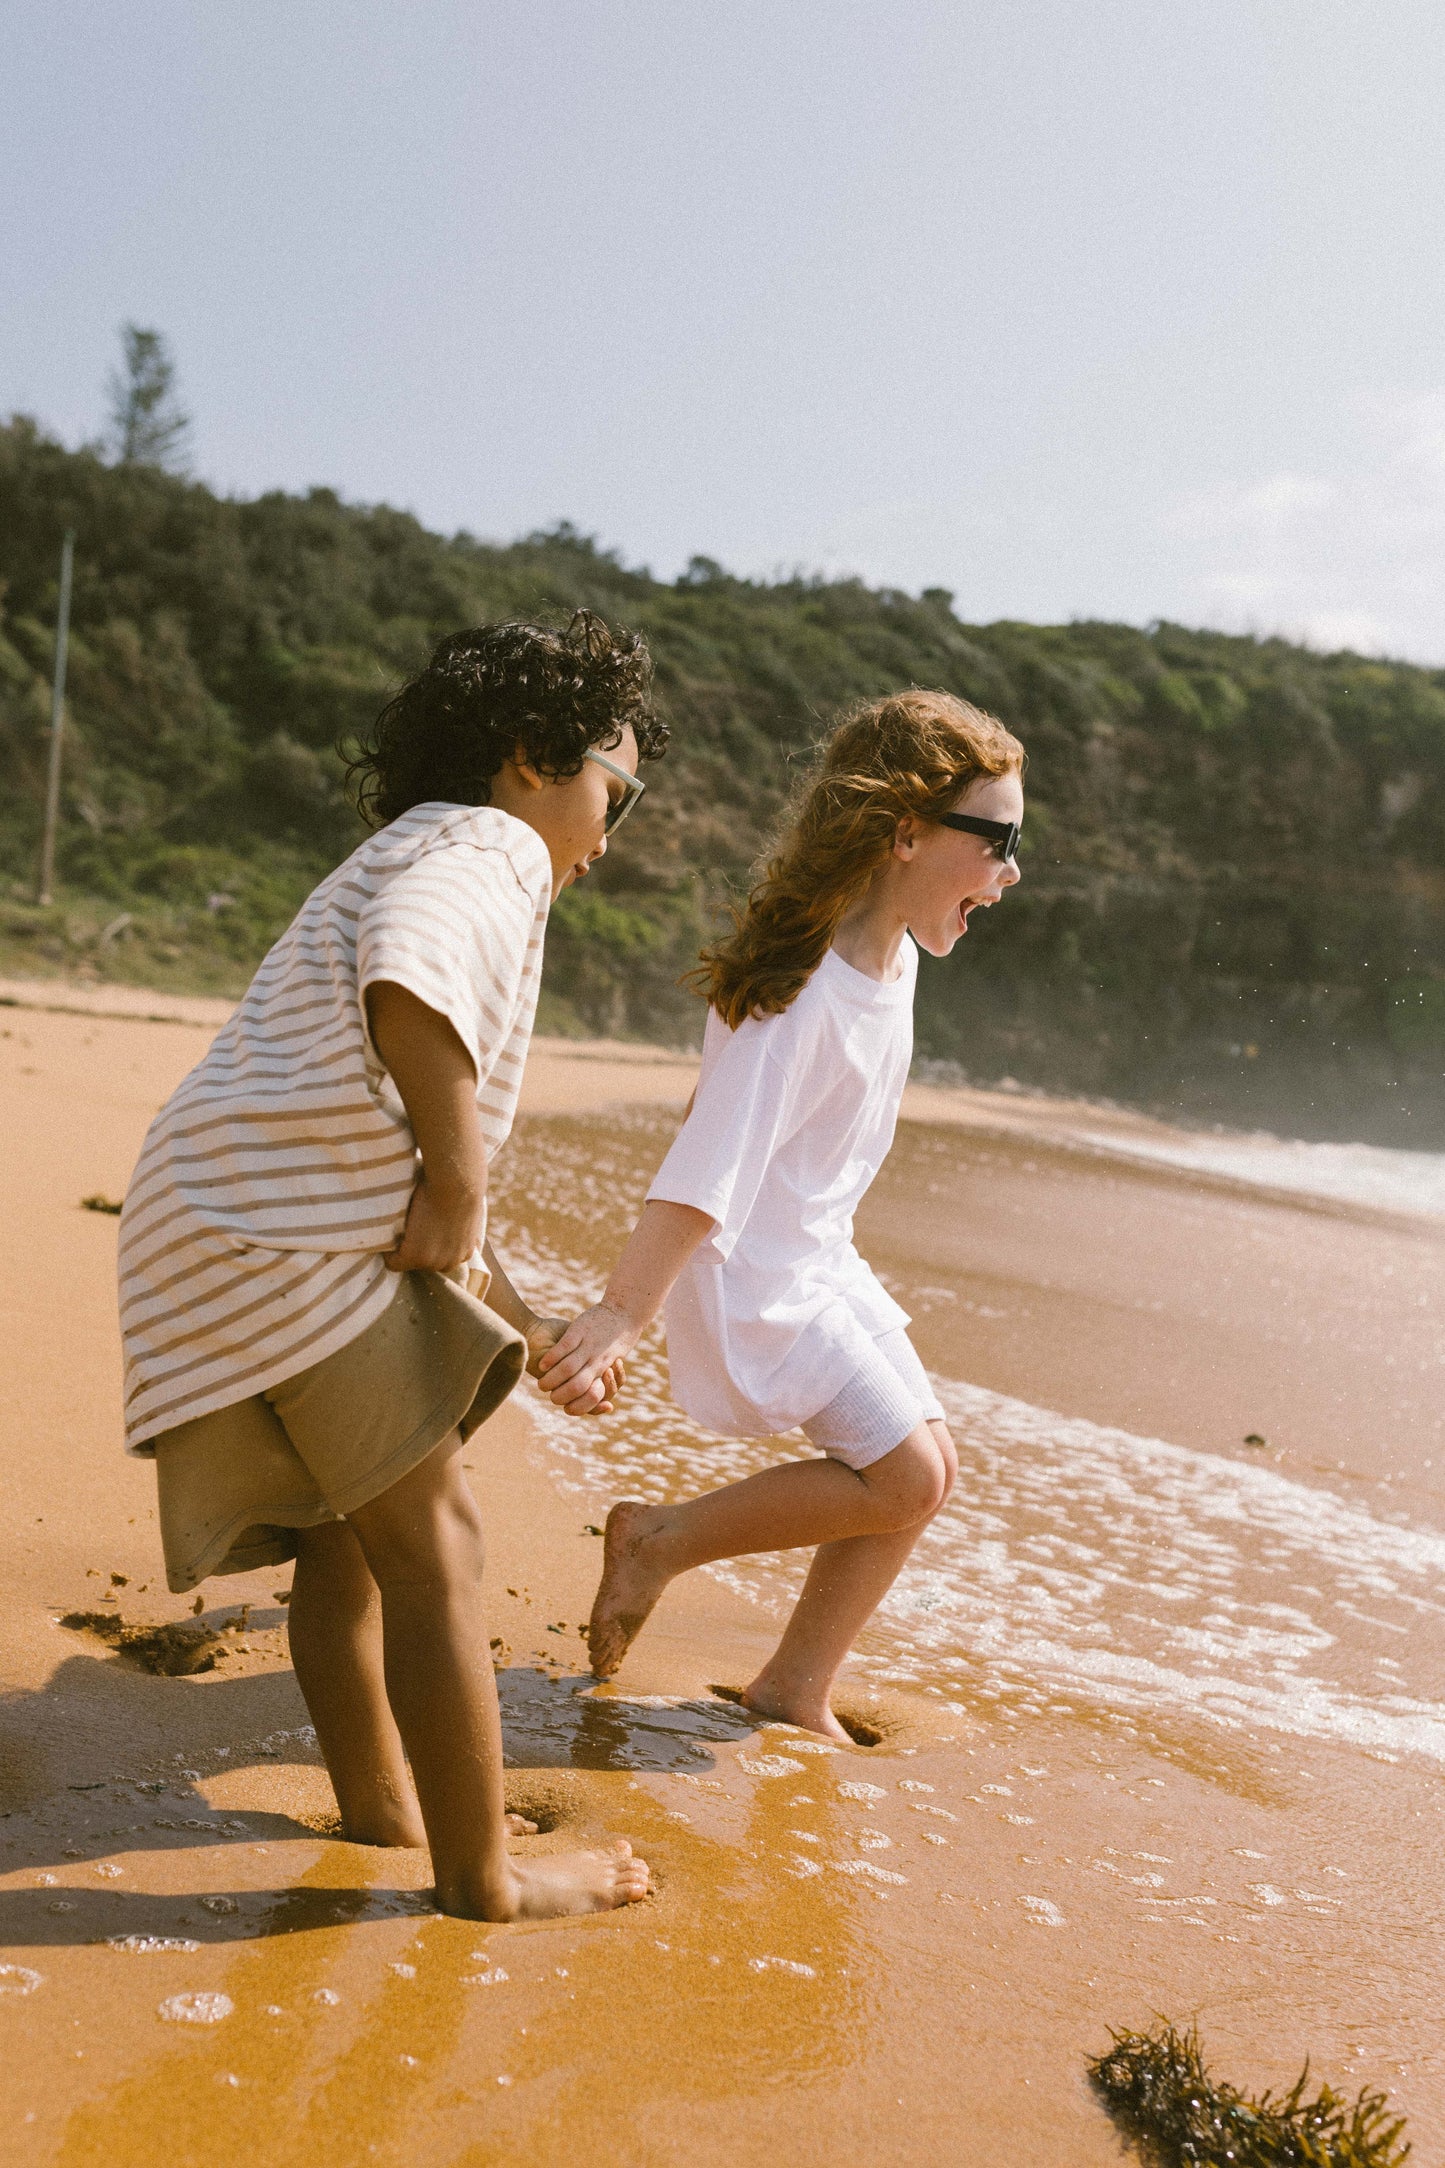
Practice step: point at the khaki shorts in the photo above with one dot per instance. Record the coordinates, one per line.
(235, 1485)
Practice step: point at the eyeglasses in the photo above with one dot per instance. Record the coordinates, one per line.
(1003, 835)
(617, 808)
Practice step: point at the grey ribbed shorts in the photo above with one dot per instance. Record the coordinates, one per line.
(887, 1396)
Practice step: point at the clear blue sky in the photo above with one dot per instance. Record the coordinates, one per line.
(1127, 308)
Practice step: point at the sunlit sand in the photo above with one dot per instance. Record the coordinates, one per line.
(1159, 1715)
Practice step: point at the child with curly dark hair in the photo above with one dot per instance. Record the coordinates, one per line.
(303, 1246)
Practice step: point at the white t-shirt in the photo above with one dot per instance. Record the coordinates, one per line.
(794, 1115)
(278, 1174)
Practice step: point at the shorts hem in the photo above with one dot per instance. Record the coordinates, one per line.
(400, 1461)
(223, 1554)
(859, 1457)
(464, 1411)
(450, 1346)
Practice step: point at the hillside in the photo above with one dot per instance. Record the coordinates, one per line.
(1234, 894)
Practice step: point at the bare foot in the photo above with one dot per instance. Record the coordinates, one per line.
(628, 1589)
(765, 1698)
(559, 1886)
(581, 1882)
(517, 1825)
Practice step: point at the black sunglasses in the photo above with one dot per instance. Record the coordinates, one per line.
(1003, 835)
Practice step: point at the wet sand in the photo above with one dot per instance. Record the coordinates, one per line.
(1249, 1833)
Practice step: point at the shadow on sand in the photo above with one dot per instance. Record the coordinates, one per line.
(118, 1722)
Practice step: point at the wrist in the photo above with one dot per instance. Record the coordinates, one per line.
(632, 1317)
(454, 1190)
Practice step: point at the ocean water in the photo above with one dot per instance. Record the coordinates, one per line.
(1077, 1566)
(1412, 1183)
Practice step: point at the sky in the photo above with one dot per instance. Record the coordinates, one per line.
(1078, 308)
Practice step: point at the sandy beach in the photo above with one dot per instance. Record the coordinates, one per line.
(1159, 1714)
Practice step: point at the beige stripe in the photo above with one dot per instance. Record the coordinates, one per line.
(269, 1310)
(342, 1058)
(182, 1328)
(383, 1139)
(423, 912)
(245, 1162)
(166, 1414)
(341, 1110)
(302, 1008)
(376, 1230)
(323, 1176)
(148, 1301)
(307, 1223)
(316, 1239)
(368, 1232)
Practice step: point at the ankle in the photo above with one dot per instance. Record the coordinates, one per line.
(776, 1691)
(644, 1532)
(496, 1897)
(387, 1831)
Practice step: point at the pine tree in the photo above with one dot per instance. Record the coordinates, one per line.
(148, 426)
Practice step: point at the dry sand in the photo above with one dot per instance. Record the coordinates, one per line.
(813, 1977)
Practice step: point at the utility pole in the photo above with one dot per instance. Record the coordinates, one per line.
(57, 721)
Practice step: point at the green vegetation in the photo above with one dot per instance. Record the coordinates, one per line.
(1159, 2092)
(1234, 903)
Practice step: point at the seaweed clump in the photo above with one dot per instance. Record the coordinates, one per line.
(1159, 2092)
(170, 1652)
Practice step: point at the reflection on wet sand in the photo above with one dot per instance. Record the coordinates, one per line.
(568, 1723)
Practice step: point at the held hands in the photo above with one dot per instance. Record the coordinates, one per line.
(590, 1351)
(595, 1345)
(600, 1398)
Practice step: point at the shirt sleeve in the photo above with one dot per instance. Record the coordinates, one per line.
(742, 1113)
(455, 928)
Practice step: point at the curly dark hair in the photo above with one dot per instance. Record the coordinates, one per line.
(486, 692)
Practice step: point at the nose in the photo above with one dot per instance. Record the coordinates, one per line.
(1011, 872)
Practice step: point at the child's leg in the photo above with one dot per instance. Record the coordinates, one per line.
(846, 1583)
(422, 1541)
(860, 1516)
(335, 1630)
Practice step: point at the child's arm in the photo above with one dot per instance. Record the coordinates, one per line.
(655, 1253)
(433, 1072)
(515, 1308)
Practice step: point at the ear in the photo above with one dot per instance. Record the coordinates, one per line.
(905, 836)
(522, 767)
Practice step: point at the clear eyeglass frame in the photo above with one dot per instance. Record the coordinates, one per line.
(617, 808)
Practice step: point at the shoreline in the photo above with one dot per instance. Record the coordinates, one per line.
(812, 1948)
(631, 1073)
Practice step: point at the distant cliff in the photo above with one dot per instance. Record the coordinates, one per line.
(1234, 893)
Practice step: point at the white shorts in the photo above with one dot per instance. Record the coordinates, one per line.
(887, 1397)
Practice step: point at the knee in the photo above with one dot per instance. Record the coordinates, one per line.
(425, 1541)
(913, 1480)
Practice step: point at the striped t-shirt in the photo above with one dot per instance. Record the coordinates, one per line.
(277, 1176)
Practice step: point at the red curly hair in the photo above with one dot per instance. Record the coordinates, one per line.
(911, 752)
